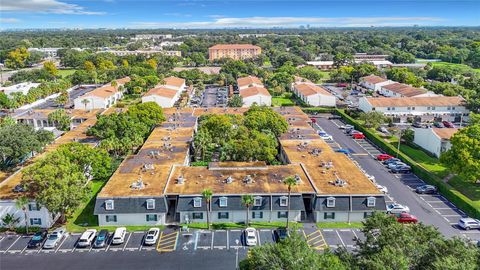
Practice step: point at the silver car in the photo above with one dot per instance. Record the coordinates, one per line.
(54, 238)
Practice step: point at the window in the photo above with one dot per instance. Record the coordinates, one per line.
(111, 218)
(197, 215)
(409, 108)
(257, 214)
(388, 108)
(222, 215)
(150, 204)
(453, 108)
(283, 201)
(413, 108)
(393, 108)
(257, 201)
(223, 202)
(151, 217)
(433, 108)
(330, 215)
(35, 221)
(33, 207)
(282, 214)
(448, 108)
(428, 108)
(197, 202)
(109, 205)
(371, 201)
(330, 202)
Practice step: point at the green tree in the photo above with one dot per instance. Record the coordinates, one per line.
(463, 158)
(63, 98)
(60, 119)
(291, 254)
(22, 203)
(404, 75)
(198, 59)
(310, 73)
(408, 135)
(149, 113)
(235, 101)
(85, 102)
(9, 221)
(247, 201)
(50, 67)
(372, 119)
(342, 59)
(17, 58)
(289, 182)
(207, 196)
(262, 118)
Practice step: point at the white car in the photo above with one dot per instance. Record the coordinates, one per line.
(396, 208)
(382, 188)
(469, 223)
(395, 164)
(86, 238)
(152, 236)
(326, 136)
(345, 126)
(54, 238)
(119, 236)
(250, 236)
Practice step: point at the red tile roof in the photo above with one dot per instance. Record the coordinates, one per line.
(440, 101)
(445, 133)
(161, 91)
(308, 89)
(233, 46)
(174, 81)
(248, 81)
(373, 79)
(253, 91)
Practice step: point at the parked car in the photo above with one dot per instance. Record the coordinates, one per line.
(391, 160)
(119, 236)
(250, 236)
(469, 223)
(86, 239)
(325, 136)
(402, 169)
(313, 120)
(345, 127)
(384, 130)
(351, 131)
(396, 208)
(342, 84)
(392, 165)
(417, 125)
(406, 218)
(281, 234)
(426, 189)
(102, 239)
(37, 239)
(54, 238)
(438, 125)
(358, 136)
(345, 151)
(383, 157)
(152, 236)
(332, 117)
(383, 189)
(448, 124)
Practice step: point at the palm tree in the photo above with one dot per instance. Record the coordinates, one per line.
(207, 195)
(247, 200)
(9, 221)
(289, 181)
(85, 102)
(22, 203)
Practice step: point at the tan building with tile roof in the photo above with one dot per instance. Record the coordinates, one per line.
(434, 140)
(233, 51)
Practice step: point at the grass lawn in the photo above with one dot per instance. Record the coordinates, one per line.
(430, 163)
(284, 100)
(231, 225)
(65, 72)
(467, 188)
(326, 75)
(462, 67)
(339, 225)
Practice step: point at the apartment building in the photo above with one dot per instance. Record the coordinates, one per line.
(101, 98)
(313, 95)
(424, 109)
(19, 88)
(434, 140)
(252, 91)
(157, 185)
(233, 51)
(374, 83)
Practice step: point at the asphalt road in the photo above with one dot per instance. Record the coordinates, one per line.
(422, 206)
(208, 260)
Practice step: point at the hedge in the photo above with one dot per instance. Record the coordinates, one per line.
(454, 196)
(318, 110)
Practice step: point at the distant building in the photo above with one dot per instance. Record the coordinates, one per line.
(403, 90)
(439, 108)
(233, 51)
(377, 60)
(48, 52)
(249, 81)
(313, 95)
(363, 57)
(252, 91)
(167, 94)
(374, 83)
(152, 36)
(19, 88)
(101, 98)
(143, 52)
(434, 140)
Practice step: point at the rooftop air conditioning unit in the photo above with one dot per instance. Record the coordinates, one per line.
(180, 180)
(138, 184)
(229, 180)
(148, 166)
(248, 179)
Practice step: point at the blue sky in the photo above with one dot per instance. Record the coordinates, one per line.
(228, 14)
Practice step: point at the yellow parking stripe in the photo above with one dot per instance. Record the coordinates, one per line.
(317, 242)
(167, 242)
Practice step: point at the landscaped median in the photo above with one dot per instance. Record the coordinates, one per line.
(453, 195)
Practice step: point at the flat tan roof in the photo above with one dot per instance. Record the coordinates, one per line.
(267, 180)
(203, 111)
(303, 151)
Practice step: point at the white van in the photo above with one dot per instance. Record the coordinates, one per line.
(119, 236)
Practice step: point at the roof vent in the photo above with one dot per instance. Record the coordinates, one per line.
(148, 166)
(298, 180)
(340, 183)
(248, 179)
(154, 153)
(180, 180)
(138, 184)
(229, 180)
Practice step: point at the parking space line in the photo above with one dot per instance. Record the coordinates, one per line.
(213, 236)
(129, 235)
(196, 241)
(12, 244)
(64, 239)
(341, 240)
(228, 244)
(109, 244)
(259, 241)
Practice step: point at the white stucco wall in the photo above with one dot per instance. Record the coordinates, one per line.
(240, 216)
(163, 102)
(340, 217)
(428, 140)
(321, 100)
(259, 99)
(8, 207)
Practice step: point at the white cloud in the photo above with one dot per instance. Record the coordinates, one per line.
(9, 20)
(45, 6)
(267, 22)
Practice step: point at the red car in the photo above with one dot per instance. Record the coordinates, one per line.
(383, 157)
(358, 136)
(314, 120)
(406, 218)
(342, 84)
(448, 124)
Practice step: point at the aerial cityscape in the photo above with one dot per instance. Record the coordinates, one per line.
(236, 134)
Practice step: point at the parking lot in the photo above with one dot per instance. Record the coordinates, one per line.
(430, 209)
(185, 242)
(214, 96)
